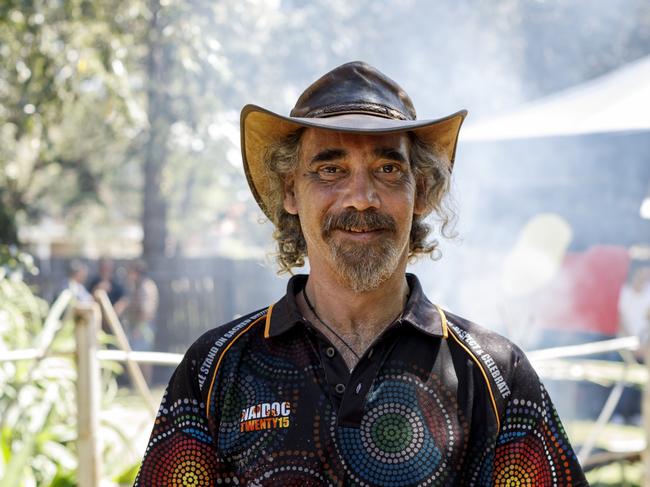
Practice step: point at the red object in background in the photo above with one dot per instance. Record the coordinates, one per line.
(584, 295)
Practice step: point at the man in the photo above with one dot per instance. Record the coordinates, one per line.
(106, 280)
(140, 309)
(77, 274)
(354, 377)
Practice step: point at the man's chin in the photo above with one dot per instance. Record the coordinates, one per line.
(363, 267)
(360, 283)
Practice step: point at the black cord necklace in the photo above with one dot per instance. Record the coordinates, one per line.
(311, 308)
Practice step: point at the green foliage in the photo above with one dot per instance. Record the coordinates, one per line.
(37, 428)
(62, 103)
(64, 478)
(127, 477)
(14, 261)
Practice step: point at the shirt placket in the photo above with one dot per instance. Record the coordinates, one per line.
(348, 389)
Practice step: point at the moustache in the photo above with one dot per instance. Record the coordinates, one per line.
(364, 221)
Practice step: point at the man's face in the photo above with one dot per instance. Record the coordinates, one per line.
(81, 275)
(105, 269)
(355, 196)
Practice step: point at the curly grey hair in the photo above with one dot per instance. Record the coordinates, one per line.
(432, 172)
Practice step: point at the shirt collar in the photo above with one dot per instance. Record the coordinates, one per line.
(418, 312)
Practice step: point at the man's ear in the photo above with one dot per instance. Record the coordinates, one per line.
(290, 203)
(421, 204)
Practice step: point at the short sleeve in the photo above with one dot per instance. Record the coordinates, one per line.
(532, 447)
(181, 449)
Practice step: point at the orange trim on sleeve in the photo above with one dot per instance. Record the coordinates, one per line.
(267, 325)
(487, 381)
(214, 375)
(443, 317)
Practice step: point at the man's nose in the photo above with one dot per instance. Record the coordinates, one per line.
(361, 192)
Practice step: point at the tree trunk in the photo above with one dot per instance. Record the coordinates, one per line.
(8, 230)
(154, 210)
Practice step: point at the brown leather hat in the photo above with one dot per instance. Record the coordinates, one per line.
(355, 98)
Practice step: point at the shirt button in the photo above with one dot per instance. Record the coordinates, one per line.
(358, 389)
(370, 352)
(339, 388)
(330, 352)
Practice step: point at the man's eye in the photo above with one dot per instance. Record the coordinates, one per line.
(329, 170)
(389, 169)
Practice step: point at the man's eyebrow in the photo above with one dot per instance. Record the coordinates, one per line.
(390, 153)
(329, 155)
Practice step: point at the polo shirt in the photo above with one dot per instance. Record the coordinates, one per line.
(435, 400)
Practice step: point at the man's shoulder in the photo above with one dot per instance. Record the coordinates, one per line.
(497, 356)
(226, 332)
(469, 331)
(205, 353)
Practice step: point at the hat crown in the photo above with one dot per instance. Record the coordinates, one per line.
(354, 87)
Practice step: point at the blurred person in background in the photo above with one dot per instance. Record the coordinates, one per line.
(77, 275)
(354, 377)
(634, 312)
(634, 306)
(140, 308)
(108, 281)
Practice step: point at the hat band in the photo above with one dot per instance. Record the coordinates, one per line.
(373, 109)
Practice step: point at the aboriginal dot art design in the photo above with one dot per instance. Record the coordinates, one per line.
(182, 446)
(532, 448)
(404, 438)
(266, 414)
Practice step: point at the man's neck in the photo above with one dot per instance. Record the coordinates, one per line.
(357, 318)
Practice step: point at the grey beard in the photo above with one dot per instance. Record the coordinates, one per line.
(365, 267)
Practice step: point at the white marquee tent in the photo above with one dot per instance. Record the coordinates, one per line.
(618, 101)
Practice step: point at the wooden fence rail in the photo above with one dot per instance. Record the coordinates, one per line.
(132, 366)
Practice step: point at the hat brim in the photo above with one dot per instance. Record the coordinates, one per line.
(261, 127)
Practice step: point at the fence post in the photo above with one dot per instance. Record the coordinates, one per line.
(87, 323)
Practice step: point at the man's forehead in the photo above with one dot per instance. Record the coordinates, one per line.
(318, 139)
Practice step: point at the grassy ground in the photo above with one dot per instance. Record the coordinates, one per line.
(130, 425)
(614, 438)
(617, 474)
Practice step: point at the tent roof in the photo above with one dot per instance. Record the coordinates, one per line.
(618, 101)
